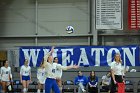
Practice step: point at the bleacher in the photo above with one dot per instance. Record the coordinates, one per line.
(99, 71)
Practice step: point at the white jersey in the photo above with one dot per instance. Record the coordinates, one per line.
(25, 71)
(106, 80)
(51, 68)
(5, 73)
(58, 71)
(117, 68)
(41, 75)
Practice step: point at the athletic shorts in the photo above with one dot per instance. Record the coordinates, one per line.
(26, 78)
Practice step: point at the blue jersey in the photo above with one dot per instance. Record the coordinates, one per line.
(81, 79)
(93, 82)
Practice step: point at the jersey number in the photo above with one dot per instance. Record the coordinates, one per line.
(53, 70)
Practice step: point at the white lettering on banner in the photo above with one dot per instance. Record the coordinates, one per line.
(83, 57)
(109, 54)
(33, 54)
(130, 56)
(98, 52)
(46, 51)
(54, 54)
(66, 57)
(101, 55)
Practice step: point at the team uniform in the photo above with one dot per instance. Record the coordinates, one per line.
(58, 71)
(25, 72)
(50, 82)
(41, 75)
(6, 74)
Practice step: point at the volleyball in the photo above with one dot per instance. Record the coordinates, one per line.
(69, 29)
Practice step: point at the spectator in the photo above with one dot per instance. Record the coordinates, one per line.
(106, 80)
(92, 83)
(81, 81)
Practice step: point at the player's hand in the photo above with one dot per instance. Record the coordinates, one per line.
(52, 49)
(21, 81)
(75, 66)
(115, 82)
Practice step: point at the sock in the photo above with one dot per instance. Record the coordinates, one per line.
(24, 90)
(83, 90)
(38, 91)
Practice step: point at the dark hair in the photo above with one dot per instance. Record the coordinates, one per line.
(92, 77)
(4, 62)
(54, 58)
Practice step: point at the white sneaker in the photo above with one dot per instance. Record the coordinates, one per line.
(83, 90)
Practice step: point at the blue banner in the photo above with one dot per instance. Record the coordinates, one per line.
(82, 55)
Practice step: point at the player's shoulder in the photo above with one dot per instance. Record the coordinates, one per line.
(2, 67)
(59, 65)
(22, 66)
(112, 63)
(9, 67)
(29, 67)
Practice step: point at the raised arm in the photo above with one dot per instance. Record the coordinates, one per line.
(48, 54)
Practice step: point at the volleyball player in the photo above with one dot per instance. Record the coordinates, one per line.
(6, 76)
(25, 76)
(41, 78)
(50, 82)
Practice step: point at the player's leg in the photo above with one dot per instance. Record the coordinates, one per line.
(59, 82)
(25, 83)
(24, 86)
(55, 87)
(48, 85)
(3, 86)
(39, 87)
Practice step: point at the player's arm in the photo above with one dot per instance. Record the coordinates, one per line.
(113, 76)
(10, 74)
(21, 71)
(67, 67)
(1, 72)
(112, 72)
(47, 55)
(38, 73)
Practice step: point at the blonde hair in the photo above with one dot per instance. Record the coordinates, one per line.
(118, 54)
